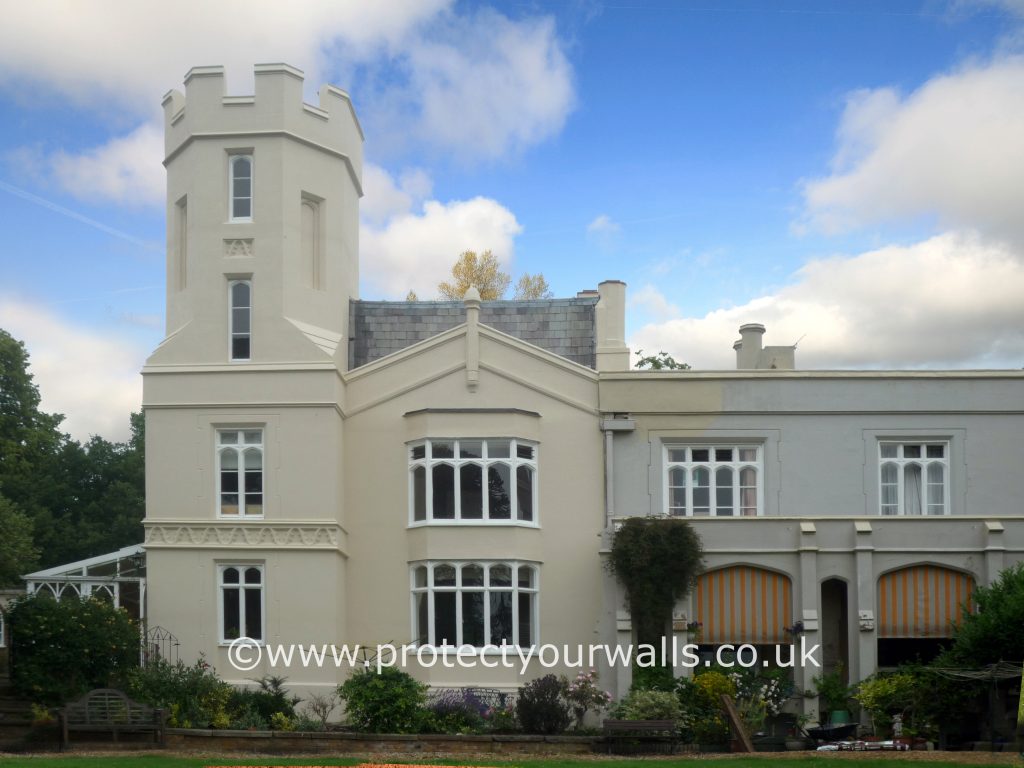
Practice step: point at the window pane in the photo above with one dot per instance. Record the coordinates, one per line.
(444, 492)
(229, 503)
(253, 459)
(889, 473)
(911, 451)
(723, 454)
(243, 188)
(499, 503)
(498, 449)
(472, 576)
(419, 451)
(912, 489)
(419, 493)
(229, 481)
(444, 618)
(525, 577)
(422, 618)
(748, 492)
(239, 295)
(253, 576)
(254, 504)
(524, 492)
(701, 491)
(936, 451)
(444, 575)
(241, 167)
(421, 576)
(230, 576)
(888, 450)
(253, 437)
(228, 438)
(471, 449)
(501, 618)
(700, 454)
(677, 454)
(524, 451)
(442, 449)
(471, 477)
(241, 208)
(525, 619)
(254, 614)
(232, 615)
(501, 576)
(748, 454)
(240, 348)
(229, 460)
(473, 618)
(723, 491)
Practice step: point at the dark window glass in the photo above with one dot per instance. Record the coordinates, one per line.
(419, 493)
(232, 615)
(444, 618)
(444, 492)
(254, 614)
(524, 492)
(498, 491)
(473, 618)
(501, 618)
(525, 619)
(470, 485)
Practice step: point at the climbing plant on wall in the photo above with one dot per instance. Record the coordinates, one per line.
(657, 560)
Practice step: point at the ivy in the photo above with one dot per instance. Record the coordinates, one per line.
(657, 560)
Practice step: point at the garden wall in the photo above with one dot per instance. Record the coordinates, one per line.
(339, 743)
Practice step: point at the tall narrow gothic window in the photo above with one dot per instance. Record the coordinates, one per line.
(240, 182)
(240, 320)
(240, 472)
(241, 597)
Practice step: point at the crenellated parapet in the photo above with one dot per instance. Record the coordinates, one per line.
(205, 111)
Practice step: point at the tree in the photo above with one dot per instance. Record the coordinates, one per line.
(18, 554)
(662, 361)
(532, 287)
(483, 271)
(411, 296)
(993, 632)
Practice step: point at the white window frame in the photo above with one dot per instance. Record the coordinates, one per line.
(902, 464)
(430, 590)
(232, 162)
(222, 568)
(427, 462)
(231, 321)
(240, 447)
(670, 461)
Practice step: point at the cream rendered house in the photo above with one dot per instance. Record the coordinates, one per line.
(323, 470)
(326, 470)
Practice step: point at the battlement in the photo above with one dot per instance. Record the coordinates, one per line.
(277, 108)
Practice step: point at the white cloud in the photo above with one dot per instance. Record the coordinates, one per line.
(126, 170)
(410, 243)
(602, 225)
(950, 301)
(951, 149)
(650, 302)
(491, 86)
(89, 375)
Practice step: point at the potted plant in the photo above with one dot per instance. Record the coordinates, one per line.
(833, 689)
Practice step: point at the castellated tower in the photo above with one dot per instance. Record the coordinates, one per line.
(262, 221)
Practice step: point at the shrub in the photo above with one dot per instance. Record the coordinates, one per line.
(320, 707)
(703, 720)
(991, 633)
(501, 719)
(649, 705)
(269, 699)
(390, 701)
(455, 710)
(542, 707)
(193, 694)
(583, 694)
(62, 649)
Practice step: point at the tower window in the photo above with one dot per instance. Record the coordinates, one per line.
(240, 183)
(240, 319)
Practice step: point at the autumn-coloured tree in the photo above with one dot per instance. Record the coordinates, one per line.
(532, 287)
(483, 271)
(411, 296)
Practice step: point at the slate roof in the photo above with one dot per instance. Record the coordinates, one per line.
(562, 326)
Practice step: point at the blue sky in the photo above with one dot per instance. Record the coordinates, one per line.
(846, 172)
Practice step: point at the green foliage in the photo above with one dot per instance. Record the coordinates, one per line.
(654, 678)
(269, 699)
(387, 702)
(457, 710)
(649, 705)
(832, 687)
(18, 555)
(926, 700)
(993, 633)
(279, 721)
(65, 649)
(82, 500)
(662, 361)
(700, 697)
(884, 695)
(657, 560)
(193, 694)
(542, 707)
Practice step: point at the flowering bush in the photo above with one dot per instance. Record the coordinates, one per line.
(649, 705)
(703, 720)
(583, 695)
(770, 687)
(501, 719)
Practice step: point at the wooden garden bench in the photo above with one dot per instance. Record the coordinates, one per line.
(106, 709)
(631, 736)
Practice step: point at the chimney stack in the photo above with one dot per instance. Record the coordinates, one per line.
(752, 355)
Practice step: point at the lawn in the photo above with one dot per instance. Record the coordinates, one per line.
(767, 761)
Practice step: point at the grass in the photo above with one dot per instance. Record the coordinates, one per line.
(166, 761)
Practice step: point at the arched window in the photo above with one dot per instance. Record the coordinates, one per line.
(912, 478)
(241, 597)
(240, 319)
(240, 185)
(240, 472)
(713, 481)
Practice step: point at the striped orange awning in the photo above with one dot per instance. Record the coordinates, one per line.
(743, 604)
(922, 601)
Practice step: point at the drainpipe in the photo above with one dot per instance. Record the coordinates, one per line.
(618, 422)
